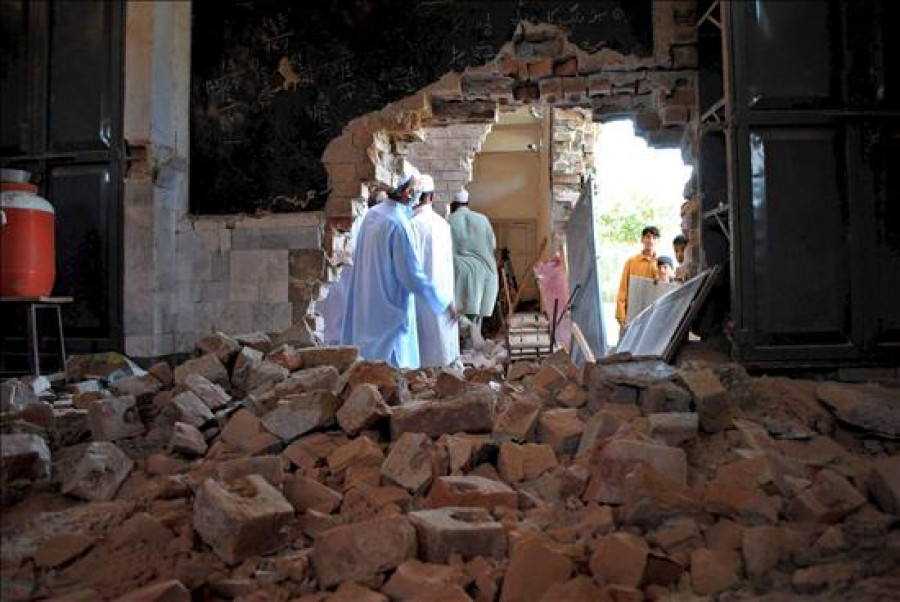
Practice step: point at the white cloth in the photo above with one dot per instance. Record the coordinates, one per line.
(438, 337)
(380, 316)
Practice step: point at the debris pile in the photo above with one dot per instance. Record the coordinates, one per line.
(272, 473)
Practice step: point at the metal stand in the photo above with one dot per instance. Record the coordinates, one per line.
(32, 304)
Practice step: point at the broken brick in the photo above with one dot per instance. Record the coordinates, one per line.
(358, 551)
(339, 357)
(469, 532)
(187, 407)
(829, 499)
(619, 558)
(243, 519)
(99, 473)
(534, 567)
(712, 399)
(219, 344)
(471, 491)
(304, 493)
(362, 409)
(207, 365)
(171, 590)
(420, 580)
(114, 418)
(468, 414)
(618, 457)
(674, 428)
(246, 361)
(517, 421)
(761, 548)
(296, 415)
(359, 451)
(268, 467)
(524, 462)
(209, 392)
(285, 356)
(409, 464)
(884, 484)
(560, 429)
(187, 440)
(712, 571)
(23, 456)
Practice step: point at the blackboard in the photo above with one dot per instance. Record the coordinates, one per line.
(273, 81)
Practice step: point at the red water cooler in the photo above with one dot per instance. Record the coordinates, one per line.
(27, 243)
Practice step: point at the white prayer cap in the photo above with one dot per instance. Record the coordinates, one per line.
(427, 183)
(462, 196)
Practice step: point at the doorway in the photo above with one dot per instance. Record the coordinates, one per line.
(637, 186)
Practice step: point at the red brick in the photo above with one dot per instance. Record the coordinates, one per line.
(884, 484)
(533, 568)
(712, 571)
(420, 580)
(662, 569)
(115, 418)
(579, 589)
(285, 356)
(360, 451)
(466, 414)
(469, 532)
(560, 429)
(830, 498)
(380, 374)
(213, 395)
(341, 357)
(712, 400)
(517, 422)
(814, 579)
(649, 498)
(549, 378)
(409, 463)
(353, 592)
(618, 457)
(362, 409)
(761, 547)
(223, 346)
(304, 493)
(619, 558)
(207, 365)
(246, 361)
(524, 462)
(539, 69)
(471, 491)
(680, 534)
(241, 520)
(355, 552)
(565, 67)
(296, 415)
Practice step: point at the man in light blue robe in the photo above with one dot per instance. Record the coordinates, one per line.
(380, 316)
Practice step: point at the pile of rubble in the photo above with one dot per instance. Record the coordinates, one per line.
(259, 473)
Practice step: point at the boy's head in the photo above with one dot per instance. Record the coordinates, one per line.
(679, 244)
(649, 238)
(666, 268)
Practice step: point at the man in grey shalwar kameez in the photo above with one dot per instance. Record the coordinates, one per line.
(474, 265)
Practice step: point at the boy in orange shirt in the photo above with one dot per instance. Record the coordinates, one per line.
(643, 264)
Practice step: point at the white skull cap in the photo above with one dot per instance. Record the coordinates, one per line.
(462, 196)
(427, 183)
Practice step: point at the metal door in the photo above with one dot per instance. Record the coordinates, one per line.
(62, 95)
(581, 247)
(812, 251)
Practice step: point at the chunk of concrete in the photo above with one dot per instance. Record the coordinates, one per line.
(99, 473)
(114, 418)
(243, 519)
(469, 532)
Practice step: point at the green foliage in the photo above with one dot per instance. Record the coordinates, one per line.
(622, 219)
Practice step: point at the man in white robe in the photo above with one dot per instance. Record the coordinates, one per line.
(438, 337)
(380, 316)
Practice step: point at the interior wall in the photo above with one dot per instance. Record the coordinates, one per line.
(187, 276)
